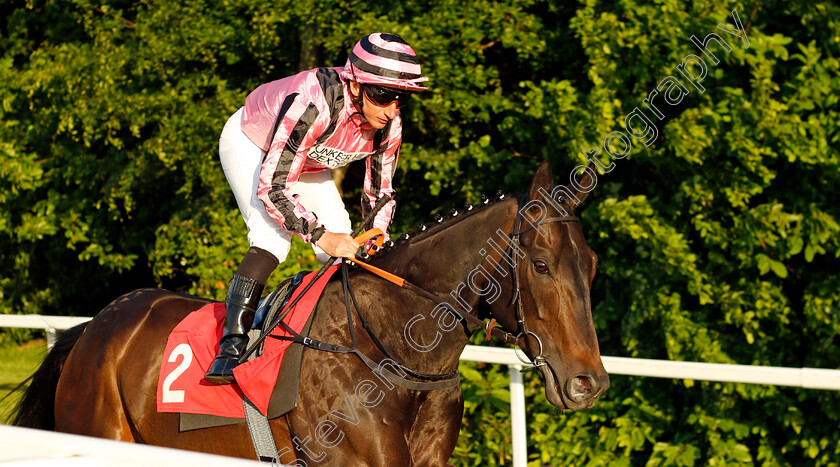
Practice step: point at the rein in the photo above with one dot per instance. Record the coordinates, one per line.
(380, 203)
(488, 326)
(430, 381)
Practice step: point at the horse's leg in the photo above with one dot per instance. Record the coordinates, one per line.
(346, 416)
(90, 408)
(435, 431)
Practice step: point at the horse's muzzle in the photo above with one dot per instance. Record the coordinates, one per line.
(584, 389)
(575, 393)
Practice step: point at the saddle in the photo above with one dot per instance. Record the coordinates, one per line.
(284, 397)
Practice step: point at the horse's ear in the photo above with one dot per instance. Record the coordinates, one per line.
(587, 182)
(542, 179)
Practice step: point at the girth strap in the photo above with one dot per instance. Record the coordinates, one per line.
(258, 426)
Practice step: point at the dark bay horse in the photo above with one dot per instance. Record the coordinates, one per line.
(100, 379)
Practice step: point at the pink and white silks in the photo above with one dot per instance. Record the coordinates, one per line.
(280, 176)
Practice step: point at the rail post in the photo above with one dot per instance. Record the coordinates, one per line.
(517, 417)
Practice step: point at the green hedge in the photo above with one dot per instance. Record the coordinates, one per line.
(718, 242)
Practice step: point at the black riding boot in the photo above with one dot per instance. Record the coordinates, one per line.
(241, 302)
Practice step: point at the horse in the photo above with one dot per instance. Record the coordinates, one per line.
(506, 260)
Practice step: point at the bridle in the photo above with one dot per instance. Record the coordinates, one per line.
(516, 299)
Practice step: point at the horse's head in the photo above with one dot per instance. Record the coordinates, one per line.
(554, 269)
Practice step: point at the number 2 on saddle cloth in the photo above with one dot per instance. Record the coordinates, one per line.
(192, 346)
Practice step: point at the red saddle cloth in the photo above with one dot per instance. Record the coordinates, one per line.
(193, 344)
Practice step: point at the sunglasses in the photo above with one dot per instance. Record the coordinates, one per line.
(383, 96)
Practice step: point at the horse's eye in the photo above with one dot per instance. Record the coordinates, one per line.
(541, 267)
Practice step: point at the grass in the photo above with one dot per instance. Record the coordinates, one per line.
(16, 364)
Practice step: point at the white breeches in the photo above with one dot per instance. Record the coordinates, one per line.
(241, 160)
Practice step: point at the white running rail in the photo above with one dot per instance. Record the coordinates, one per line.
(51, 324)
(811, 378)
(28, 447)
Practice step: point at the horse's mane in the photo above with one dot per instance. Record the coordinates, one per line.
(438, 222)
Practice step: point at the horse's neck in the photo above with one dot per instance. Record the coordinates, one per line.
(441, 262)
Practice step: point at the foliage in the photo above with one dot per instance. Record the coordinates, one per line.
(486, 404)
(719, 242)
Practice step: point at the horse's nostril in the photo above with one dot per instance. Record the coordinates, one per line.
(586, 383)
(580, 387)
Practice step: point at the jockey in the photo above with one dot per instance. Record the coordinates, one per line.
(276, 153)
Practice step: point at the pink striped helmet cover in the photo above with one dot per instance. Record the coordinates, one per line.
(384, 59)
